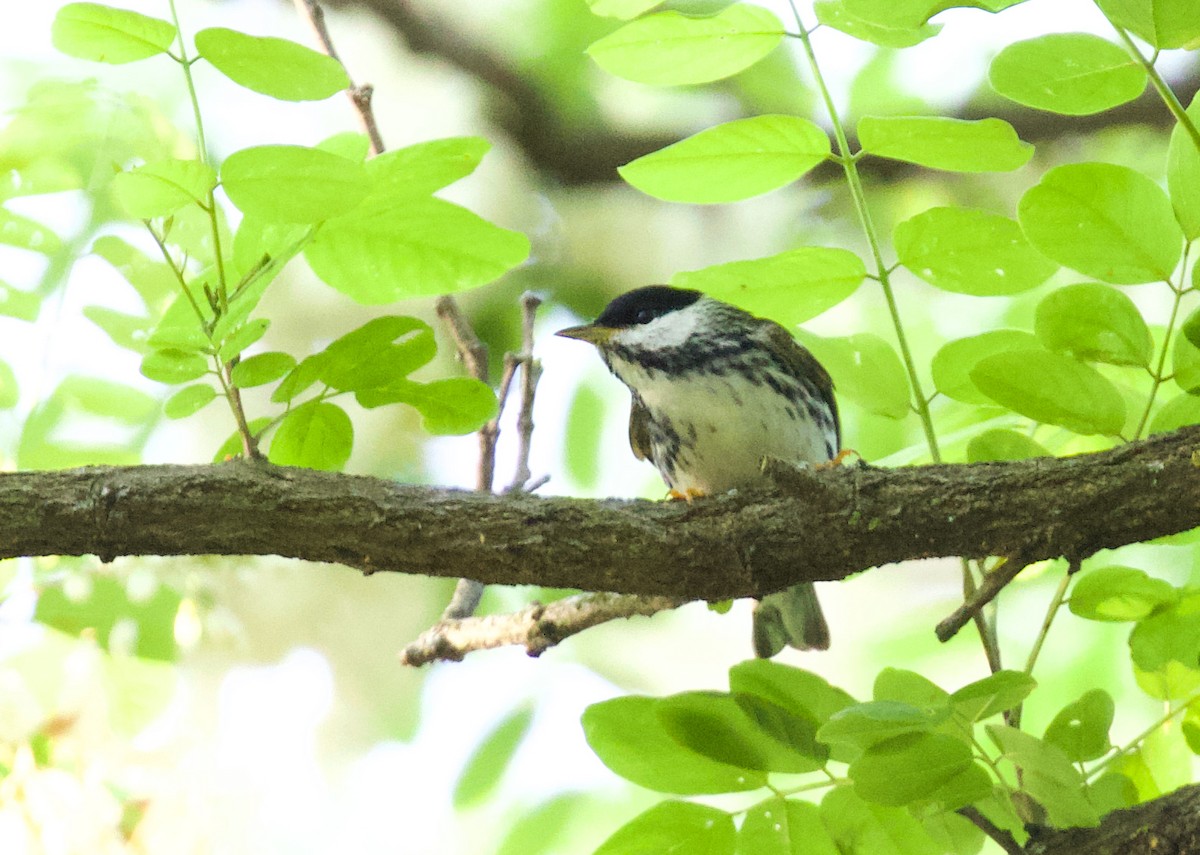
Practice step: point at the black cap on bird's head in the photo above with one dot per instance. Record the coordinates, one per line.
(639, 306)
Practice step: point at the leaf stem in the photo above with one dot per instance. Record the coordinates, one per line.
(1158, 374)
(1164, 91)
(1060, 596)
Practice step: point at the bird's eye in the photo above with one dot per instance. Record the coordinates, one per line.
(645, 316)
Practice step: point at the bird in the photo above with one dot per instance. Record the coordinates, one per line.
(714, 391)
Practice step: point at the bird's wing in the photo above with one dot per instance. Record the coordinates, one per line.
(639, 429)
(802, 364)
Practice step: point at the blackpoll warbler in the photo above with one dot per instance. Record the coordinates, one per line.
(715, 390)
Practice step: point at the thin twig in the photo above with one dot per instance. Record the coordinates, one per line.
(991, 585)
(1006, 841)
(360, 95)
(536, 627)
(474, 354)
(529, 381)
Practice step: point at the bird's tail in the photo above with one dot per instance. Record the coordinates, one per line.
(790, 617)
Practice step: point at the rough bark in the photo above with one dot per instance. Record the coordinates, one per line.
(818, 525)
(1169, 825)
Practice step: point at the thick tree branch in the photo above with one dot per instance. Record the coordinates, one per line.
(1169, 825)
(819, 525)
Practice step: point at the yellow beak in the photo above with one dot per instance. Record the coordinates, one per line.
(589, 333)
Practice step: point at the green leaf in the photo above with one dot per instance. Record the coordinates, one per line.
(864, 828)
(731, 162)
(629, 739)
(352, 145)
(1051, 388)
(791, 287)
(992, 695)
(271, 66)
(969, 251)
(956, 834)
(913, 13)
(953, 363)
(670, 49)
(1048, 776)
(174, 366)
(189, 400)
(623, 9)
(378, 353)
(674, 827)
(241, 338)
(1183, 174)
(716, 725)
(127, 331)
(232, 446)
(293, 184)
(262, 368)
(421, 169)
(1190, 328)
(1161, 764)
(1185, 365)
(788, 687)
(785, 827)
(47, 443)
(487, 763)
(1168, 635)
(1105, 221)
(16, 230)
(908, 768)
(163, 187)
(9, 392)
(864, 725)
(153, 280)
(104, 34)
(1076, 74)
(1176, 413)
(15, 303)
(1117, 593)
(909, 687)
(416, 249)
(1003, 444)
(1081, 728)
(316, 435)
(455, 406)
(105, 605)
(936, 142)
(1094, 322)
(1160, 23)
(795, 730)
(833, 14)
(865, 369)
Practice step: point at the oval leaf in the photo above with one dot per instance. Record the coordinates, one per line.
(994, 694)
(163, 187)
(953, 363)
(293, 184)
(1081, 728)
(674, 827)
(1003, 444)
(456, 405)
(1052, 388)
(791, 287)
(262, 368)
(785, 827)
(969, 251)
(486, 765)
(730, 162)
(1183, 174)
(277, 67)
(1118, 593)
(189, 400)
(863, 725)
(1076, 74)
(1103, 220)
(834, 14)
(1094, 322)
(1163, 24)
(670, 49)
(104, 34)
(174, 366)
(316, 435)
(866, 369)
(908, 768)
(956, 145)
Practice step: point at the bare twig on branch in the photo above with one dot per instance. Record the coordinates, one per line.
(537, 627)
(531, 372)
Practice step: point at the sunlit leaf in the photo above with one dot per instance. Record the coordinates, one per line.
(277, 67)
(866, 369)
(456, 405)
(914, 13)
(262, 368)
(785, 827)
(316, 435)
(834, 14)
(9, 392)
(1161, 23)
(163, 187)
(487, 764)
(106, 34)
(293, 184)
(189, 400)
(174, 366)
(1081, 727)
(106, 604)
(992, 695)
(1072, 73)
(953, 363)
(937, 142)
(1183, 173)
(1003, 444)
(673, 826)
(1094, 322)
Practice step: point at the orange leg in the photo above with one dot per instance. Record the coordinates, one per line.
(687, 495)
(838, 459)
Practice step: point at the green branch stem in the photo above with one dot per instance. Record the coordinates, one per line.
(1164, 91)
(1159, 373)
(1181, 707)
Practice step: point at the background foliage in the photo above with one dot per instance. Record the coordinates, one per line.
(196, 267)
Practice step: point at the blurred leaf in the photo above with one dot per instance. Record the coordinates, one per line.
(794, 728)
(241, 338)
(833, 13)
(1072, 73)
(1094, 322)
(1048, 776)
(127, 331)
(623, 9)
(163, 187)
(1081, 728)
(316, 435)
(276, 67)
(908, 768)
(418, 248)
(1003, 444)
(673, 826)
(1183, 174)
(914, 13)
(9, 392)
(994, 694)
(105, 605)
(1160, 23)
(544, 828)
(670, 49)
(1170, 636)
(1176, 413)
(730, 162)
(15, 303)
(1185, 365)
(784, 827)
(937, 142)
(956, 834)
(293, 184)
(1112, 791)
(863, 725)
(260, 242)
(1190, 328)
(379, 352)
(585, 420)
(488, 762)
(232, 446)
(1051, 388)
(153, 280)
(1117, 593)
(791, 287)
(174, 366)
(262, 368)
(456, 405)
(1103, 220)
(865, 369)
(189, 400)
(858, 826)
(909, 687)
(629, 738)
(969, 251)
(104, 34)
(1160, 765)
(16, 230)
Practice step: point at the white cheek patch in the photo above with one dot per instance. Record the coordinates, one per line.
(671, 330)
